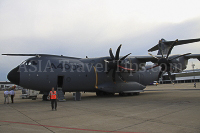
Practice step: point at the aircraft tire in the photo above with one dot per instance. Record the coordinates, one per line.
(99, 93)
(130, 94)
(34, 98)
(44, 97)
(137, 93)
(122, 94)
(111, 94)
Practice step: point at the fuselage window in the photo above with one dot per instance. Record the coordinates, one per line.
(27, 63)
(23, 62)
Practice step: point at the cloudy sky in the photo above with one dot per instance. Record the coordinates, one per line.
(90, 27)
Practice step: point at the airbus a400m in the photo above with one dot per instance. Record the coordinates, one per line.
(103, 75)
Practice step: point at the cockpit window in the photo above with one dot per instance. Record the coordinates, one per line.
(23, 62)
(33, 62)
(29, 62)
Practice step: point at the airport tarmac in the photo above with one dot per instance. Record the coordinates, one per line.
(164, 108)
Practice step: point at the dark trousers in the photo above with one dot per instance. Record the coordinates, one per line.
(53, 101)
(12, 97)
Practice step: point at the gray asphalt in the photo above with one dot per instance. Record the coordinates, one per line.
(163, 108)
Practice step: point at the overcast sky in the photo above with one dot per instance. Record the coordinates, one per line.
(90, 27)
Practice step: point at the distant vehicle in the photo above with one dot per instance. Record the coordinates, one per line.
(29, 94)
(18, 88)
(3, 88)
(7, 87)
(154, 83)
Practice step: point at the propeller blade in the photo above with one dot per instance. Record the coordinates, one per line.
(159, 75)
(108, 71)
(177, 68)
(153, 56)
(159, 47)
(173, 44)
(152, 67)
(124, 57)
(179, 56)
(106, 61)
(117, 52)
(114, 63)
(161, 52)
(111, 54)
(113, 75)
(129, 69)
(120, 76)
(170, 77)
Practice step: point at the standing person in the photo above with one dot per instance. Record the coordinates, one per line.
(53, 96)
(6, 96)
(195, 84)
(12, 94)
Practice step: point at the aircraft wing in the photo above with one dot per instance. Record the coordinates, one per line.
(154, 60)
(39, 55)
(25, 54)
(197, 56)
(180, 42)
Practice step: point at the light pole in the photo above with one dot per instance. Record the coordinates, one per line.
(193, 70)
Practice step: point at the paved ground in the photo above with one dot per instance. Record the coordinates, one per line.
(163, 108)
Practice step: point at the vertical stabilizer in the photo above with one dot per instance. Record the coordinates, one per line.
(162, 47)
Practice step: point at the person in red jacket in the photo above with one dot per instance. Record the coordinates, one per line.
(53, 97)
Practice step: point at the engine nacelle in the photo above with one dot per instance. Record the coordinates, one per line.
(179, 64)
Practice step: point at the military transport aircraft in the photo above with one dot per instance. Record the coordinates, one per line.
(103, 75)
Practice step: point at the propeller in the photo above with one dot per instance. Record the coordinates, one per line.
(165, 62)
(114, 64)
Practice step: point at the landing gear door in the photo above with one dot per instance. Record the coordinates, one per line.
(141, 78)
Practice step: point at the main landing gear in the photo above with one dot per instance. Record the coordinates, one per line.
(44, 97)
(101, 93)
(128, 94)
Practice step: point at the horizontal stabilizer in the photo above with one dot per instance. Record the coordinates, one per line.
(180, 42)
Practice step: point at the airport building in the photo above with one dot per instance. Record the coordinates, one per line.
(187, 76)
(5, 84)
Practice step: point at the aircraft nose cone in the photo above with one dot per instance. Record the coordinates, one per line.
(14, 76)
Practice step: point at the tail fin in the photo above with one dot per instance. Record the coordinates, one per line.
(164, 46)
